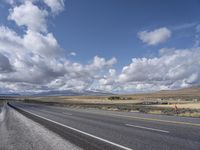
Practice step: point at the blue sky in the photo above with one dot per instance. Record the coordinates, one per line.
(109, 29)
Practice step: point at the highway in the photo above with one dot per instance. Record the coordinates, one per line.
(93, 129)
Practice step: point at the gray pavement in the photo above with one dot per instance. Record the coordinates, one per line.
(131, 130)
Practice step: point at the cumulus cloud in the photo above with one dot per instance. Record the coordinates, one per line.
(172, 69)
(43, 65)
(99, 63)
(108, 82)
(55, 5)
(29, 15)
(5, 65)
(34, 61)
(155, 37)
(46, 45)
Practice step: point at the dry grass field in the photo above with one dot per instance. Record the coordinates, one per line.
(187, 100)
(173, 96)
(183, 105)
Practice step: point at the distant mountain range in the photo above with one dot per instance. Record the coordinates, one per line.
(190, 91)
(61, 93)
(72, 93)
(9, 94)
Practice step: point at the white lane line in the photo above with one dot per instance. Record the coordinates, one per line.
(66, 113)
(130, 125)
(82, 132)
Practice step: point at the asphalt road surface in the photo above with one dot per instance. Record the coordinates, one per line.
(97, 129)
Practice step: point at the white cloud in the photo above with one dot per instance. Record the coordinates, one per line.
(29, 15)
(155, 37)
(34, 61)
(184, 26)
(40, 66)
(46, 44)
(5, 65)
(72, 54)
(99, 63)
(55, 5)
(108, 81)
(172, 69)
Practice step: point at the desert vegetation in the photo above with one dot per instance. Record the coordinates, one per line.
(184, 102)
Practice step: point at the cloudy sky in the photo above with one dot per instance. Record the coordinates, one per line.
(121, 46)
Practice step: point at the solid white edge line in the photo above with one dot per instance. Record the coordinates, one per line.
(130, 125)
(82, 132)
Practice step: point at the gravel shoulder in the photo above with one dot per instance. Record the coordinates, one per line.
(20, 133)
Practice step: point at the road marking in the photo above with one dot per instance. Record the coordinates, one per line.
(148, 119)
(158, 120)
(66, 113)
(142, 118)
(130, 125)
(82, 132)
